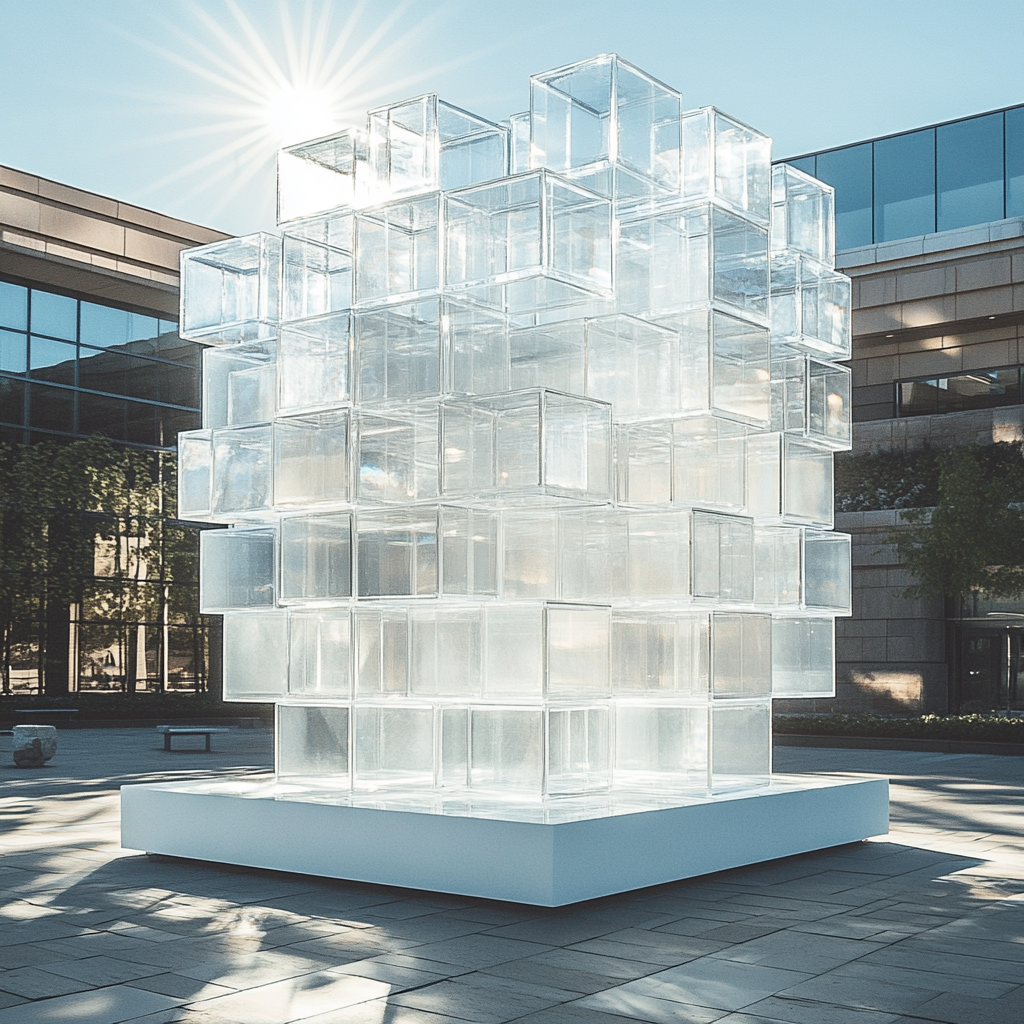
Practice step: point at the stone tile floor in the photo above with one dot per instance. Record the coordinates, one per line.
(925, 924)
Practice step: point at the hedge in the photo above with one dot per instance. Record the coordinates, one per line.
(990, 728)
(172, 706)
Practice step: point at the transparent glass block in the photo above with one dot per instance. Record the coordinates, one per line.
(429, 347)
(529, 243)
(609, 125)
(230, 290)
(803, 657)
(397, 553)
(803, 214)
(519, 134)
(789, 391)
(661, 746)
(726, 162)
(741, 744)
(660, 653)
(396, 455)
(334, 228)
(469, 552)
(513, 651)
(827, 579)
(236, 569)
(811, 307)
(241, 470)
(316, 279)
(829, 413)
(708, 463)
(195, 472)
(239, 384)
(591, 554)
(530, 555)
(313, 742)
(453, 748)
(680, 258)
(525, 446)
(722, 556)
(549, 356)
(578, 651)
(579, 750)
(320, 653)
(634, 366)
(312, 459)
(255, 655)
(643, 463)
(316, 558)
(507, 750)
(445, 651)
(426, 144)
(314, 177)
(789, 480)
(741, 655)
(394, 746)
(380, 637)
(314, 363)
(657, 557)
(397, 251)
(777, 560)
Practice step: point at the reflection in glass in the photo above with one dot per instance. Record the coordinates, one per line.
(52, 408)
(905, 186)
(101, 370)
(55, 315)
(1015, 162)
(980, 389)
(13, 352)
(804, 163)
(52, 360)
(848, 171)
(98, 414)
(104, 326)
(13, 306)
(969, 159)
(12, 400)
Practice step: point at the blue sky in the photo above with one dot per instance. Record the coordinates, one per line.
(178, 105)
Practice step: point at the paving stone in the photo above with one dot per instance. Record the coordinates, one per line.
(478, 950)
(466, 1001)
(636, 1006)
(111, 1005)
(800, 1011)
(35, 983)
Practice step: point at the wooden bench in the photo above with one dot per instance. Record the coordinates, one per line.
(170, 731)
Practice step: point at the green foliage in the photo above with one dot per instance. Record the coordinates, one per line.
(886, 479)
(973, 539)
(980, 728)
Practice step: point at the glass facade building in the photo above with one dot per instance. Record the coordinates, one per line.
(951, 175)
(71, 368)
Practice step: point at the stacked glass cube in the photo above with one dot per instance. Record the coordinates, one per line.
(523, 436)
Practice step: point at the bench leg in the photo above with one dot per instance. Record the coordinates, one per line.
(167, 741)
(208, 743)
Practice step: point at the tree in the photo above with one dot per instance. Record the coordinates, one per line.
(973, 540)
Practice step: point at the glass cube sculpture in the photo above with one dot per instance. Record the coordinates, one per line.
(524, 436)
(231, 290)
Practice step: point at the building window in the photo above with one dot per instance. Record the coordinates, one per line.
(979, 389)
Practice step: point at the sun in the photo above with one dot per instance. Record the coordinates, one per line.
(296, 113)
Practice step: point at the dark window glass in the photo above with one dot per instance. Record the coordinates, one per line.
(52, 361)
(55, 315)
(98, 414)
(170, 422)
(52, 408)
(144, 378)
(1015, 162)
(981, 389)
(13, 352)
(848, 171)
(141, 425)
(805, 164)
(13, 306)
(171, 347)
(179, 385)
(101, 370)
(11, 435)
(969, 160)
(12, 400)
(905, 186)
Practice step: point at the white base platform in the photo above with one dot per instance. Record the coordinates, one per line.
(574, 850)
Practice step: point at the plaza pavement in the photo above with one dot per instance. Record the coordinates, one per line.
(926, 924)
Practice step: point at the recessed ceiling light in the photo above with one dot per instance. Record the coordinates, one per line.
(890, 335)
(991, 318)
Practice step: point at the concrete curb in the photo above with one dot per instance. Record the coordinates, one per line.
(938, 746)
